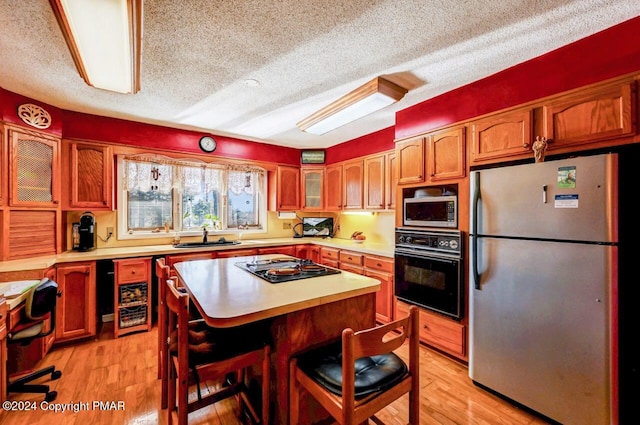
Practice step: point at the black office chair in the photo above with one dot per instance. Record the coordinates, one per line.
(40, 308)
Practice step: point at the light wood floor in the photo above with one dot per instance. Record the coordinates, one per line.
(124, 370)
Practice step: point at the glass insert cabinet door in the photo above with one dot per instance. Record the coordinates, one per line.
(313, 187)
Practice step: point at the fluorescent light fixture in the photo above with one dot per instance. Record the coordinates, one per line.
(104, 37)
(372, 96)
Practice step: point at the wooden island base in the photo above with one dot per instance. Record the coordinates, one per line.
(298, 331)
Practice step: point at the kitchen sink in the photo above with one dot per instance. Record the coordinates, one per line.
(219, 242)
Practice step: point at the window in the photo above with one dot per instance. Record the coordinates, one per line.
(185, 196)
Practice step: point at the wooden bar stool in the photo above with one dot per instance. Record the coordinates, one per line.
(198, 353)
(360, 375)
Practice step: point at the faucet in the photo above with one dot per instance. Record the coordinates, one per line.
(204, 234)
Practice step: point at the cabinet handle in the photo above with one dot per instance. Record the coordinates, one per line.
(378, 264)
(525, 145)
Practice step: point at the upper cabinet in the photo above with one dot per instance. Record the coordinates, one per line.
(89, 168)
(446, 154)
(374, 182)
(590, 115)
(597, 116)
(287, 188)
(410, 157)
(34, 169)
(353, 187)
(391, 179)
(333, 187)
(502, 135)
(312, 189)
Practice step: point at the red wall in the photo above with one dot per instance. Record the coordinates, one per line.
(92, 127)
(9, 103)
(379, 141)
(607, 54)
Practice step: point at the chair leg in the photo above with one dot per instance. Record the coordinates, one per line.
(171, 389)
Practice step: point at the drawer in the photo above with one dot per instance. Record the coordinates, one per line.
(349, 268)
(379, 263)
(438, 331)
(351, 258)
(330, 253)
(132, 271)
(329, 262)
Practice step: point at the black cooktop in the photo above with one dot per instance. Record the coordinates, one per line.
(279, 270)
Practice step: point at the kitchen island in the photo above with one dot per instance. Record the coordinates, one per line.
(304, 313)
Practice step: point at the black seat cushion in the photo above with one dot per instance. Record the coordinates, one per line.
(207, 344)
(373, 374)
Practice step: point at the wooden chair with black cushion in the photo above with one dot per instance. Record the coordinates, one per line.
(40, 309)
(199, 353)
(359, 375)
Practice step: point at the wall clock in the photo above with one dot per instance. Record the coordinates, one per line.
(207, 144)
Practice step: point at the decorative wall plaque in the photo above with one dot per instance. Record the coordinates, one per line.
(34, 115)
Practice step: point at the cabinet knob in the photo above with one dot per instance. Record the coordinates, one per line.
(525, 145)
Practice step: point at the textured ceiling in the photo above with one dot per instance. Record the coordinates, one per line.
(197, 56)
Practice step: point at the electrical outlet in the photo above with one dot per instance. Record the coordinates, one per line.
(109, 231)
(286, 226)
(338, 228)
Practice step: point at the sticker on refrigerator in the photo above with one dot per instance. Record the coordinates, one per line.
(566, 201)
(567, 177)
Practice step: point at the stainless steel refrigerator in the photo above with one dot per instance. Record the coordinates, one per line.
(543, 279)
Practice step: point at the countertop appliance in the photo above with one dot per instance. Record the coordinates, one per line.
(86, 233)
(278, 270)
(543, 280)
(429, 270)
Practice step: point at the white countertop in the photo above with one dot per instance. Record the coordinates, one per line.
(37, 263)
(228, 295)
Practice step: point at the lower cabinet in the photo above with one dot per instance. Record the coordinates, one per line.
(235, 253)
(76, 308)
(308, 252)
(330, 257)
(132, 296)
(439, 332)
(283, 250)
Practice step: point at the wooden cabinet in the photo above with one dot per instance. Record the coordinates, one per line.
(411, 161)
(333, 188)
(283, 250)
(132, 295)
(89, 169)
(330, 257)
(235, 253)
(76, 308)
(312, 189)
(439, 332)
(351, 261)
(590, 115)
(375, 182)
(287, 188)
(21, 225)
(353, 185)
(382, 268)
(308, 252)
(391, 180)
(501, 136)
(446, 154)
(34, 169)
(4, 178)
(178, 258)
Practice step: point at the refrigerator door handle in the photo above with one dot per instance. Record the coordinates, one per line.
(474, 230)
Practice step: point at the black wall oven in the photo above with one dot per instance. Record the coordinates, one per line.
(429, 270)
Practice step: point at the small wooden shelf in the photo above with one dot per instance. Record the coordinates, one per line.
(132, 299)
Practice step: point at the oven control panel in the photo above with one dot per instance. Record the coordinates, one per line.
(448, 241)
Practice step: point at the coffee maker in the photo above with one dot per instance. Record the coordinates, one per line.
(84, 233)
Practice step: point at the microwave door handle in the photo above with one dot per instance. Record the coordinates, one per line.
(474, 231)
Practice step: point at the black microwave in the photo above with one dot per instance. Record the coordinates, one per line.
(431, 211)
